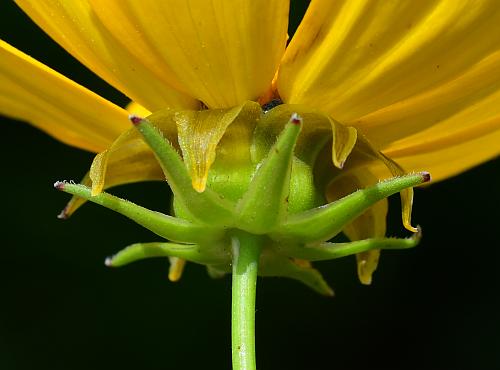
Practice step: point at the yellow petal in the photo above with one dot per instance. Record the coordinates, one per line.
(220, 52)
(129, 158)
(372, 223)
(462, 104)
(137, 109)
(356, 57)
(447, 156)
(77, 28)
(317, 127)
(124, 164)
(420, 79)
(415, 91)
(200, 131)
(32, 92)
(367, 263)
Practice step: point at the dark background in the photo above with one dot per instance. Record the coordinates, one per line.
(433, 307)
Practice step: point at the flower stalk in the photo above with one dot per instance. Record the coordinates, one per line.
(246, 249)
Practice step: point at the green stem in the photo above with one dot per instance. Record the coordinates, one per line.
(246, 251)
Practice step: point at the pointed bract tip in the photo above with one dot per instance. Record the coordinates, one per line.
(426, 176)
(108, 261)
(296, 119)
(135, 119)
(330, 293)
(59, 185)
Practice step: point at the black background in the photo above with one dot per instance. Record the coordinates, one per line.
(433, 307)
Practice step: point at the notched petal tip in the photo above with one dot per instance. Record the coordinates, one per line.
(135, 119)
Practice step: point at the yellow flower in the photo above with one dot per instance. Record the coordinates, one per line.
(421, 80)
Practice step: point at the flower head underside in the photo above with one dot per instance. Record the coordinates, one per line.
(419, 83)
